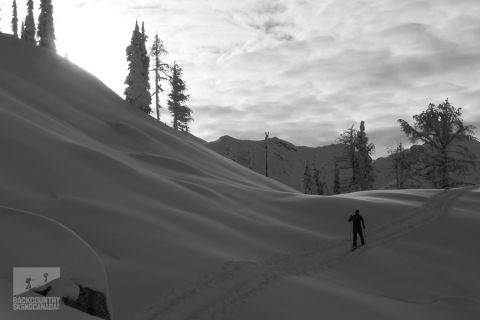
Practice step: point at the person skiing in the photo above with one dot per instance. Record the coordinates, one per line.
(358, 222)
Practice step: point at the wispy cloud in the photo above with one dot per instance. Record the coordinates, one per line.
(302, 69)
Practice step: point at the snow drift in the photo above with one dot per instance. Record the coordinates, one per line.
(167, 228)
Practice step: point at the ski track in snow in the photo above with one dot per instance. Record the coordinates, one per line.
(217, 294)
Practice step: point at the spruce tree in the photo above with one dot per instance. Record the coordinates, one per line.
(160, 70)
(29, 31)
(15, 19)
(350, 157)
(46, 30)
(137, 91)
(22, 31)
(178, 98)
(365, 163)
(147, 97)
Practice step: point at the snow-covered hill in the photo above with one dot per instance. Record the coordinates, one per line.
(168, 229)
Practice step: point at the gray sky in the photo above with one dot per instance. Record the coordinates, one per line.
(302, 69)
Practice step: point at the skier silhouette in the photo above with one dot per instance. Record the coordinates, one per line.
(28, 282)
(45, 275)
(358, 222)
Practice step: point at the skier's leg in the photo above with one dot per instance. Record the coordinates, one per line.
(355, 238)
(361, 237)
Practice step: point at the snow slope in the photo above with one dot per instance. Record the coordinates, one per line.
(164, 226)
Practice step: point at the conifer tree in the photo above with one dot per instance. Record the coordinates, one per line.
(29, 31)
(350, 158)
(365, 163)
(15, 19)
(178, 98)
(22, 31)
(443, 133)
(137, 91)
(160, 70)
(145, 69)
(46, 30)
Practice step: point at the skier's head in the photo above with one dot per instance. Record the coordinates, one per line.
(357, 211)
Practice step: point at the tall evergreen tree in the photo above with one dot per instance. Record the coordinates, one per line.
(177, 100)
(14, 19)
(29, 31)
(46, 30)
(146, 68)
(365, 163)
(22, 31)
(160, 70)
(137, 91)
(442, 131)
(349, 139)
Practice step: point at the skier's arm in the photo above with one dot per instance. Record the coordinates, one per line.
(363, 222)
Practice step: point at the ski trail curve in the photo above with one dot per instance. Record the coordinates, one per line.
(215, 295)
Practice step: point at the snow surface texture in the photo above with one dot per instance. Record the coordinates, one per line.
(168, 229)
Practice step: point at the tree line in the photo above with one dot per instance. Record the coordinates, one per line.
(137, 92)
(44, 34)
(442, 160)
(138, 88)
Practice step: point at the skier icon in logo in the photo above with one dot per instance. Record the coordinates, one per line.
(28, 281)
(45, 276)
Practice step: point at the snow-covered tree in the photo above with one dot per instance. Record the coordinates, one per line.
(29, 30)
(137, 91)
(14, 19)
(46, 30)
(178, 98)
(160, 70)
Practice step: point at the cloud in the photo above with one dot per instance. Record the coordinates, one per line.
(303, 69)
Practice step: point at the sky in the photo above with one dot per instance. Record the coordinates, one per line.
(304, 70)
